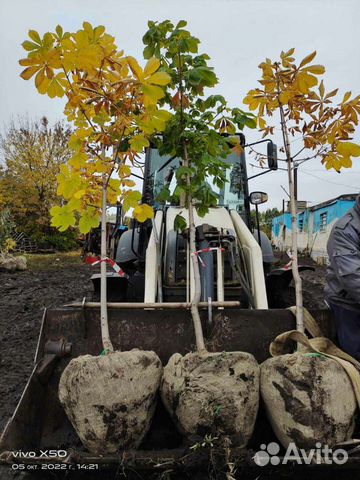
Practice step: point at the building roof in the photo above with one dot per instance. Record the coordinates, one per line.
(349, 197)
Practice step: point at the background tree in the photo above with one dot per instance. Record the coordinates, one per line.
(194, 132)
(32, 153)
(305, 111)
(265, 219)
(112, 103)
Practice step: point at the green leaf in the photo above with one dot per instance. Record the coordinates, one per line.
(181, 24)
(131, 199)
(164, 195)
(180, 223)
(139, 142)
(148, 52)
(192, 44)
(184, 171)
(90, 219)
(202, 210)
(62, 217)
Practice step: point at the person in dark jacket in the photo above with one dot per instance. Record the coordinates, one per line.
(342, 289)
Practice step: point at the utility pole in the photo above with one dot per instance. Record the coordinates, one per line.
(296, 184)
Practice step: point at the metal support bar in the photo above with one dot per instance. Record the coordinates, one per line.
(220, 278)
(164, 305)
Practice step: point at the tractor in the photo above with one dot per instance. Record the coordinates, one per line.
(148, 308)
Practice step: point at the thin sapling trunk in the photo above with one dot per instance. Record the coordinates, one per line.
(293, 210)
(199, 336)
(103, 286)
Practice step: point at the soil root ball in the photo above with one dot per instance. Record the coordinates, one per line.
(11, 264)
(308, 399)
(213, 393)
(110, 400)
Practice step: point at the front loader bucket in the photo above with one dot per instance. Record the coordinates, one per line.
(40, 423)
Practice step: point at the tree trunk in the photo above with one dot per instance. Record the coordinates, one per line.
(103, 286)
(200, 344)
(293, 210)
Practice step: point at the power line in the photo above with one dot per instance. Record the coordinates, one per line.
(329, 171)
(329, 181)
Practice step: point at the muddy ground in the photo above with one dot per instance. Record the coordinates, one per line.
(313, 282)
(50, 281)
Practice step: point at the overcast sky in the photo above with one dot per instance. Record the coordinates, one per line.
(237, 34)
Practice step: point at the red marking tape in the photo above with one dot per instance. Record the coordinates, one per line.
(205, 250)
(95, 260)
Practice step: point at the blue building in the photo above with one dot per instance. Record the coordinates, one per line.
(314, 226)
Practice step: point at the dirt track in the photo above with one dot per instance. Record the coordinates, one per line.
(24, 295)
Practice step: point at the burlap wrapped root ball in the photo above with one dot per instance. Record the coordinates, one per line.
(215, 393)
(308, 399)
(110, 400)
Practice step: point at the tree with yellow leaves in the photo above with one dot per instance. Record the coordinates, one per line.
(112, 103)
(305, 109)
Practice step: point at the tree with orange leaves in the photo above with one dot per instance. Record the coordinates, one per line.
(113, 104)
(306, 110)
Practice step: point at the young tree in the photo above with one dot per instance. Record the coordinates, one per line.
(33, 153)
(305, 110)
(112, 103)
(195, 131)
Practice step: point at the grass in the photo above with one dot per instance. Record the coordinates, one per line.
(44, 261)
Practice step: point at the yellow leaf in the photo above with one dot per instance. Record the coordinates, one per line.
(89, 219)
(75, 204)
(114, 184)
(62, 217)
(87, 27)
(124, 171)
(42, 88)
(75, 143)
(346, 162)
(321, 89)
(348, 149)
(284, 97)
(331, 94)
(33, 34)
(143, 212)
(315, 69)
(164, 115)
(29, 72)
(135, 67)
(159, 78)
(139, 142)
(261, 122)
(40, 78)
(346, 97)
(307, 59)
(288, 53)
(306, 81)
(128, 183)
(153, 93)
(26, 62)
(251, 101)
(131, 199)
(79, 194)
(29, 46)
(152, 65)
(55, 88)
(78, 160)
